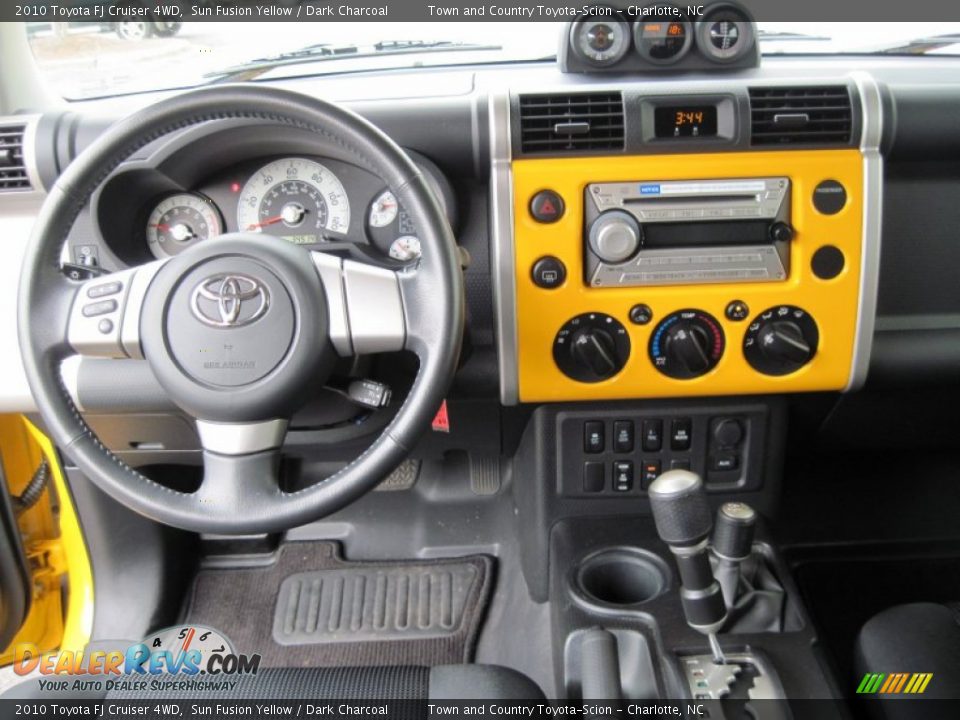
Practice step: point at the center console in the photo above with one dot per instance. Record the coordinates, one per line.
(671, 259)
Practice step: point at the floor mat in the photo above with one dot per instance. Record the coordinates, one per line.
(313, 608)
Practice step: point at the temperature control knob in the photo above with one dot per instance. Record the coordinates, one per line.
(781, 340)
(687, 344)
(615, 236)
(591, 347)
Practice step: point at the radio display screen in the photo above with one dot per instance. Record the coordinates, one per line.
(685, 121)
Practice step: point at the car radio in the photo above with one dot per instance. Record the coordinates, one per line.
(689, 232)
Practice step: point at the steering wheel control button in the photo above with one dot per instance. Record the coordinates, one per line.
(547, 207)
(828, 262)
(737, 310)
(781, 340)
(829, 197)
(105, 326)
(549, 273)
(681, 431)
(641, 314)
(104, 307)
(652, 430)
(622, 476)
(591, 348)
(593, 479)
(687, 344)
(623, 436)
(594, 437)
(104, 290)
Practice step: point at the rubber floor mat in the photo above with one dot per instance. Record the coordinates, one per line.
(313, 608)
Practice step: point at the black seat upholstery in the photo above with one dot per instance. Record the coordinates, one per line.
(915, 638)
(445, 682)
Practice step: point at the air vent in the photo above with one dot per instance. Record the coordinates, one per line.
(571, 123)
(13, 170)
(800, 115)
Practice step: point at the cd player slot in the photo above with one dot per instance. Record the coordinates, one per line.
(697, 200)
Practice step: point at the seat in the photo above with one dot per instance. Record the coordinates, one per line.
(914, 638)
(444, 682)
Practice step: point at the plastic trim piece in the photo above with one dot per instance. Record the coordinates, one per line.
(501, 236)
(872, 119)
(241, 438)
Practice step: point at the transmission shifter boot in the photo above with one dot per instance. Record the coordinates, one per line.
(760, 602)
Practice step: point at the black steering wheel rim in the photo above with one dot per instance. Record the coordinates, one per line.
(245, 498)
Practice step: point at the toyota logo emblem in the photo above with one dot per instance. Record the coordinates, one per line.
(229, 300)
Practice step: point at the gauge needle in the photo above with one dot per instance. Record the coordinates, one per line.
(161, 227)
(268, 221)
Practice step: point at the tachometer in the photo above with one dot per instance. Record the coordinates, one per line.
(296, 199)
(180, 221)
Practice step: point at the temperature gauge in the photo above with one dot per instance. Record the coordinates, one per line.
(663, 41)
(180, 221)
(384, 210)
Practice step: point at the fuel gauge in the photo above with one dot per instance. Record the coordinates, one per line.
(405, 248)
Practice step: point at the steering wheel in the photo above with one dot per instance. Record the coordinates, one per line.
(241, 328)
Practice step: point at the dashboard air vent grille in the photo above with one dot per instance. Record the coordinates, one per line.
(571, 122)
(13, 170)
(794, 115)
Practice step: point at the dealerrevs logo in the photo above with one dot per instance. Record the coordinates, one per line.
(185, 650)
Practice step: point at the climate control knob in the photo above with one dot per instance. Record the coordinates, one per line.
(781, 340)
(687, 344)
(615, 236)
(591, 347)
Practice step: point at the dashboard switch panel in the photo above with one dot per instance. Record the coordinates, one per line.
(723, 445)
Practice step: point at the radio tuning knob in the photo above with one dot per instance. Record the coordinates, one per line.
(781, 232)
(615, 236)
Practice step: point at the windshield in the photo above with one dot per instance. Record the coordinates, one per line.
(84, 60)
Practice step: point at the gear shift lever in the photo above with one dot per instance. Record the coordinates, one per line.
(683, 519)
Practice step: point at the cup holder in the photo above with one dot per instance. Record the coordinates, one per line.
(621, 577)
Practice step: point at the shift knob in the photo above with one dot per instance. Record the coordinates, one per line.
(680, 508)
(682, 516)
(733, 534)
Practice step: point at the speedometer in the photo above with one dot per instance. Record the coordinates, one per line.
(296, 199)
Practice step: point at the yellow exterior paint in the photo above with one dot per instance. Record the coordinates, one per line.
(833, 303)
(54, 544)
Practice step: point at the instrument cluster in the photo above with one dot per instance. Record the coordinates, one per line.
(304, 200)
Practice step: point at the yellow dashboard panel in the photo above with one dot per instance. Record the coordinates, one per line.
(833, 303)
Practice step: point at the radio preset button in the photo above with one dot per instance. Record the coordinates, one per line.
(546, 206)
(549, 273)
(829, 197)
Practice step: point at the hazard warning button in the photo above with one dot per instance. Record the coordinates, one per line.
(546, 206)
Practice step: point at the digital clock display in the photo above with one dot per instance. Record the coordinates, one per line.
(685, 121)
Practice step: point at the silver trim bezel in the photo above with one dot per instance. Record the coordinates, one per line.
(502, 247)
(871, 103)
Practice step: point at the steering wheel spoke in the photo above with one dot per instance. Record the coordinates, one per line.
(365, 305)
(104, 318)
